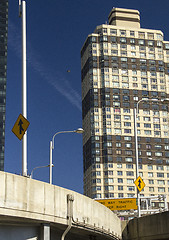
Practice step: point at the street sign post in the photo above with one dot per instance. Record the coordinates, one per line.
(119, 204)
(139, 183)
(20, 126)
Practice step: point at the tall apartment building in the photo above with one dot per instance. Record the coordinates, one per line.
(3, 64)
(121, 64)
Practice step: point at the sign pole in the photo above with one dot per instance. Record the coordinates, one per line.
(22, 6)
(136, 154)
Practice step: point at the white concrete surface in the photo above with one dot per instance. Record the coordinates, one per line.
(30, 199)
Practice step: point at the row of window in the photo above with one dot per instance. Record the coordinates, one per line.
(127, 110)
(130, 166)
(129, 188)
(131, 33)
(129, 181)
(107, 130)
(128, 138)
(108, 158)
(129, 173)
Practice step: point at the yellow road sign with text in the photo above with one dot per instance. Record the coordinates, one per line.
(139, 183)
(20, 126)
(119, 204)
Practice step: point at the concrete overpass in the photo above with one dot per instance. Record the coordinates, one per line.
(30, 209)
(150, 227)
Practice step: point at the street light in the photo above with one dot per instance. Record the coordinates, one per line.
(31, 176)
(79, 130)
(136, 141)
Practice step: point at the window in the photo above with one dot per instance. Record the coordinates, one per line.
(161, 182)
(146, 118)
(127, 117)
(150, 167)
(132, 34)
(148, 146)
(132, 41)
(161, 189)
(151, 181)
(109, 188)
(120, 180)
(133, 53)
(130, 195)
(123, 59)
(150, 174)
(160, 175)
(129, 159)
(130, 166)
(119, 173)
(120, 188)
(118, 144)
(98, 195)
(130, 188)
(151, 189)
(129, 181)
(158, 154)
(119, 159)
(127, 138)
(118, 138)
(159, 167)
(147, 125)
(130, 173)
(127, 130)
(127, 124)
(113, 31)
(128, 152)
(141, 42)
(120, 195)
(147, 132)
(96, 188)
(122, 32)
(119, 165)
(128, 145)
(148, 153)
(123, 40)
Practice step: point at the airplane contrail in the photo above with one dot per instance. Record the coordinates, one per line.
(63, 86)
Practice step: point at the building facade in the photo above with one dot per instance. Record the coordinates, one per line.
(3, 64)
(121, 64)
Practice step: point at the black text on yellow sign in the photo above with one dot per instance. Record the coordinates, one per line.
(119, 204)
(20, 126)
(139, 183)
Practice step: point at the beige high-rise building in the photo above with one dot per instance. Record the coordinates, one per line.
(121, 64)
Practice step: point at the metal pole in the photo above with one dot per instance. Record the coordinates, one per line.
(24, 88)
(51, 164)
(136, 154)
(31, 176)
(79, 130)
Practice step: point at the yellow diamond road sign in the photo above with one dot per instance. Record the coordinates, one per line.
(139, 183)
(20, 126)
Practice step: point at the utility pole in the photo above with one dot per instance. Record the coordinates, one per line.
(22, 14)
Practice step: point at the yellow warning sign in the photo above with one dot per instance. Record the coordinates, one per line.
(139, 183)
(20, 126)
(119, 204)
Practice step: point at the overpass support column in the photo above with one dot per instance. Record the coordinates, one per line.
(45, 233)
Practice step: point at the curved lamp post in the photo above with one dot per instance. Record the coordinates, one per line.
(31, 176)
(136, 109)
(79, 130)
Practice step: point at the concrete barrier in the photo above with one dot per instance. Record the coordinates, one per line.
(28, 200)
(151, 227)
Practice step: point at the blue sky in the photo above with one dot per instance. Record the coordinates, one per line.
(56, 31)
